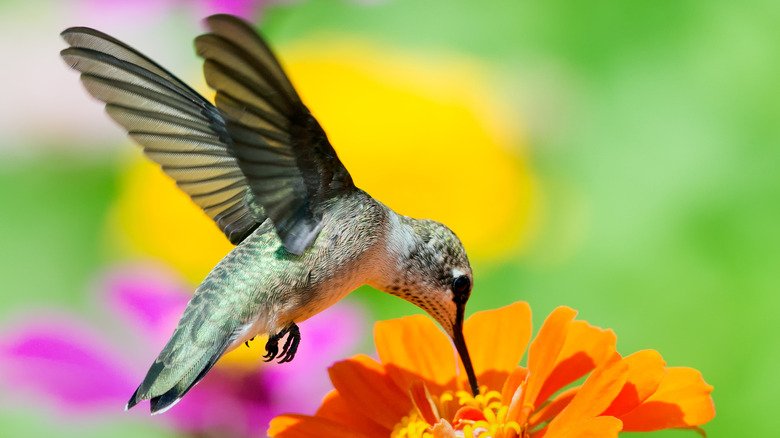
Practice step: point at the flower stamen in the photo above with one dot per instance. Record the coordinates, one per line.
(478, 416)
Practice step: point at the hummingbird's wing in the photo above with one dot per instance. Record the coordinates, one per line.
(285, 155)
(177, 127)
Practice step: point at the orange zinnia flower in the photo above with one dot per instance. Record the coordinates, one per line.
(416, 391)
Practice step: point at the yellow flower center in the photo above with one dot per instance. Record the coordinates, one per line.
(411, 426)
(465, 415)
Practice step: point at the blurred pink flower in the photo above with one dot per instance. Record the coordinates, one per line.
(143, 9)
(248, 9)
(89, 370)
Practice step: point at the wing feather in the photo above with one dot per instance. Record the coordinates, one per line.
(178, 129)
(285, 155)
(258, 153)
(156, 122)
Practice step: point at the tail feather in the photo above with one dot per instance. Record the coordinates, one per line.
(161, 401)
(166, 401)
(133, 400)
(215, 319)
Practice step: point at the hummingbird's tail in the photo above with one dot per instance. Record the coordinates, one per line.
(200, 339)
(160, 374)
(174, 373)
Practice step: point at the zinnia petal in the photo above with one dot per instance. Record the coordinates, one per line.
(407, 360)
(335, 407)
(367, 387)
(637, 389)
(544, 351)
(515, 379)
(553, 408)
(645, 370)
(303, 426)
(599, 427)
(509, 327)
(421, 398)
(681, 400)
(596, 394)
(585, 348)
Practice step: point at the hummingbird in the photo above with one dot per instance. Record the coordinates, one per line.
(260, 165)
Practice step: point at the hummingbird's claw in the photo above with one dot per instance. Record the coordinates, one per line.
(270, 353)
(272, 346)
(291, 345)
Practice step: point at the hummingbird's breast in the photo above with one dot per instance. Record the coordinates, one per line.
(273, 287)
(345, 255)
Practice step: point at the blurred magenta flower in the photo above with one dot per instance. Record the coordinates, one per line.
(142, 9)
(248, 9)
(89, 370)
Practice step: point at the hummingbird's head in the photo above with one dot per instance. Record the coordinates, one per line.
(433, 272)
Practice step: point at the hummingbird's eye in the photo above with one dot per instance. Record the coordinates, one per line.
(461, 285)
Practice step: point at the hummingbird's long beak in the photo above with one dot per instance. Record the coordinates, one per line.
(463, 351)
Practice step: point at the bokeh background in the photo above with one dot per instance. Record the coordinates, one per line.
(617, 157)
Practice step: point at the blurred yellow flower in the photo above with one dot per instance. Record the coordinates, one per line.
(425, 136)
(154, 218)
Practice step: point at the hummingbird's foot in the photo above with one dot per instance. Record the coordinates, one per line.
(272, 346)
(291, 345)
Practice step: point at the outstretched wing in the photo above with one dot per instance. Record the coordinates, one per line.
(178, 128)
(281, 149)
